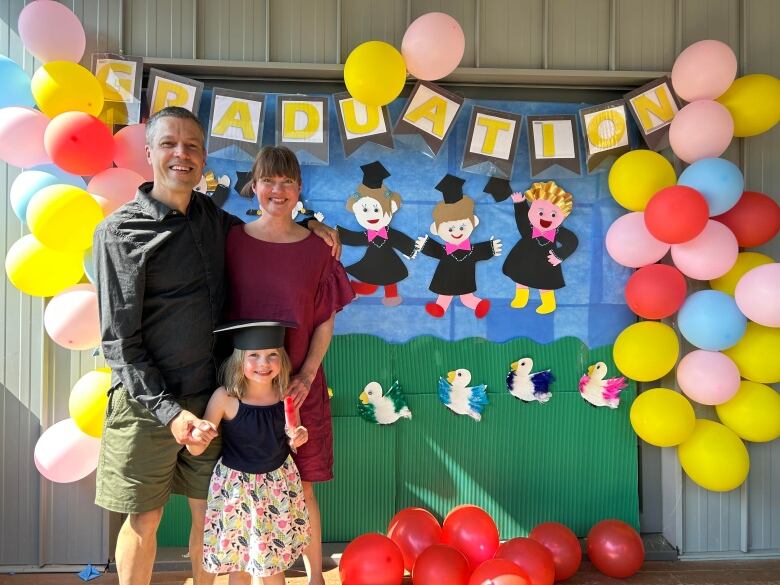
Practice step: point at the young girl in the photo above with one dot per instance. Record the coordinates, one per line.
(256, 520)
(535, 261)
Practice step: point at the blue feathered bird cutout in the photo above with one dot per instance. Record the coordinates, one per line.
(459, 397)
(526, 385)
(383, 409)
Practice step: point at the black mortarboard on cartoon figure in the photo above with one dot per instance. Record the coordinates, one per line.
(499, 188)
(452, 188)
(373, 174)
(252, 334)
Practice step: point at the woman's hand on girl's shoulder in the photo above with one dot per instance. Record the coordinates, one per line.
(298, 436)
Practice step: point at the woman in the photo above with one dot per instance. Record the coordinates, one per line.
(279, 271)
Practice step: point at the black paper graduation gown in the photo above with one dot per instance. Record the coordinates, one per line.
(381, 265)
(527, 263)
(456, 273)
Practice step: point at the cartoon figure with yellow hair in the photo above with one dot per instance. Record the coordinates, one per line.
(535, 261)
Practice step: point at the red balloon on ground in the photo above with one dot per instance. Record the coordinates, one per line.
(79, 143)
(532, 557)
(499, 572)
(656, 291)
(371, 559)
(472, 531)
(564, 546)
(755, 219)
(439, 564)
(676, 214)
(615, 549)
(413, 530)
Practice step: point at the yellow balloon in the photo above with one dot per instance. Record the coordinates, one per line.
(753, 413)
(714, 457)
(375, 73)
(64, 217)
(62, 86)
(40, 271)
(88, 400)
(646, 351)
(756, 354)
(662, 417)
(638, 175)
(746, 261)
(754, 103)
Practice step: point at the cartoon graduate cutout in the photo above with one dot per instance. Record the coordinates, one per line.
(535, 261)
(454, 221)
(374, 205)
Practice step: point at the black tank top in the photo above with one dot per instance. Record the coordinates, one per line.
(254, 441)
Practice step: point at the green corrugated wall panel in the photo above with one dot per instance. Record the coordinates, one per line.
(175, 525)
(524, 462)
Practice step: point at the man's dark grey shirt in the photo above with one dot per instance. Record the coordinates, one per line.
(161, 288)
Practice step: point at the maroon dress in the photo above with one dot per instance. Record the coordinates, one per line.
(302, 283)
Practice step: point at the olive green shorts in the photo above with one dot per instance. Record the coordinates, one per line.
(140, 462)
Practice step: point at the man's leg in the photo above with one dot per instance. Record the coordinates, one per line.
(312, 554)
(199, 574)
(136, 547)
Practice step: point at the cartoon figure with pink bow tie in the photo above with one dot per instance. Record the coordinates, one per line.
(454, 221)
(374, 205)
(535, 261)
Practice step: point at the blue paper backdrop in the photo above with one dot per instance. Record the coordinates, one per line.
(591, 307)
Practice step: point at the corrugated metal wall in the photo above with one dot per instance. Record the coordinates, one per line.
(47, 524)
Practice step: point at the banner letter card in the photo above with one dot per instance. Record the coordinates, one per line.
(430, 114)
(302, 126)
(120, 78)
(167, 89)
(653, 107)
(236, 123)
(552, 140)
(360, 124)
(491, 143)
(605, 130)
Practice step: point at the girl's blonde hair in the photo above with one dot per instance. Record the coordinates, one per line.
(382, 195)
(552, 193)
(462, 209)
(231, 374)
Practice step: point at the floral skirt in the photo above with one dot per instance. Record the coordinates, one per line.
(255, 523)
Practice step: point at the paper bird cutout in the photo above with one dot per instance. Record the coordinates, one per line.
(383, 409)
(456, 394)
(526, 385)
(598, 391)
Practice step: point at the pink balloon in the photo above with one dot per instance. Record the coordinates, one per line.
(130, 152)
(21, 137)
(704, 71)
(72, 320)
(758, 295)
(630, 244)
(702, 129)
(433, 46)
(709, 255)
(708, 377)
(64, 454)
(51, 32)
(114, 187)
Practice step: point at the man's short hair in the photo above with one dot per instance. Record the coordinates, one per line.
(171, 112)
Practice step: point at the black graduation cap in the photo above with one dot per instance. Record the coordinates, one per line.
(251, 334)
(452, 188)
(373, 174)
(499, 188)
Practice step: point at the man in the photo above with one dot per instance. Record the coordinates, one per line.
(159, 264)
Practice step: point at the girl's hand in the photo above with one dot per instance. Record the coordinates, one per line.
(298, 436)
(518, 197)
(299, 388)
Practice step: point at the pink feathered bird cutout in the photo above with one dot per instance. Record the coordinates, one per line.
(598, 391)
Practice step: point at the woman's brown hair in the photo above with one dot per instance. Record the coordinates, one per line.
(273, 161)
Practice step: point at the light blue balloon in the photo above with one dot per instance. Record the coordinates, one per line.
(65, 178)
(711, 320)
(89, 266)
(27, 184)
(16, 85)
(718, 180)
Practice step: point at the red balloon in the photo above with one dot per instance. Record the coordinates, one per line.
(440, 564)
(532, 557)
(564, 546)
(413, 530)
(676, 214)
(755, 219)
(371, 559)
(79, 144)
(472, 531)
(615, 549)
(656, 291)
(499, 572)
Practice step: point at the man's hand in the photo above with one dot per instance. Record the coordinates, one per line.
(188, 429)
(328, 234)
(299, 388)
